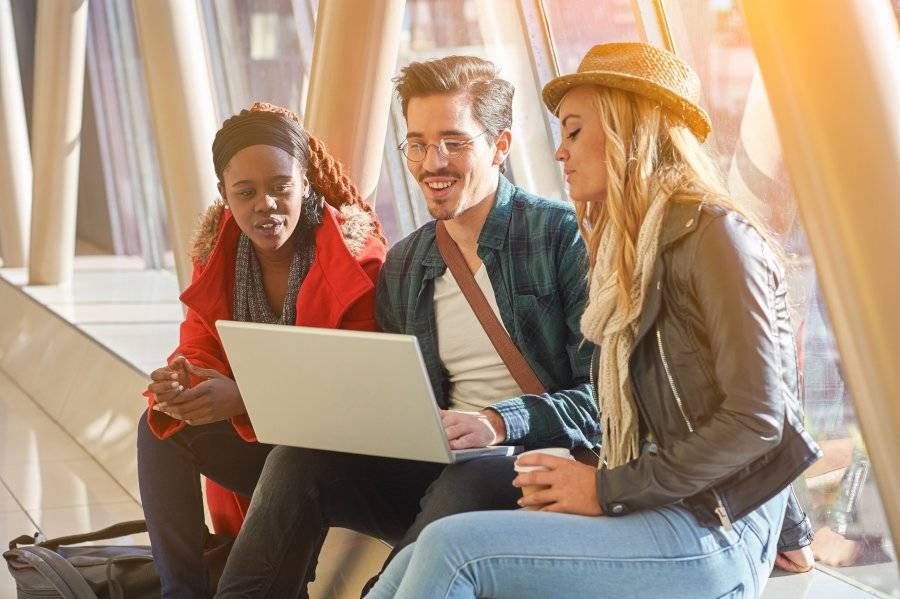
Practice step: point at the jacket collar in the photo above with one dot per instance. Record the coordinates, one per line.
(680, 220)
(211, 291)
(494, 233)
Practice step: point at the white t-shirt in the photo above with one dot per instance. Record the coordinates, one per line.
(478, 377)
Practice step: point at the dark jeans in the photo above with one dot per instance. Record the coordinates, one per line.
(303, 492)
(169, 472)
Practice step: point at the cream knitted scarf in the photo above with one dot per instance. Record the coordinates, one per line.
(614, 328)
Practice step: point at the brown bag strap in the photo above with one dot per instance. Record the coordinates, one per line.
(515, 362)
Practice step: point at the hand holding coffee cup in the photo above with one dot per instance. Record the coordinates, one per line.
(562, 484)
(558, 452)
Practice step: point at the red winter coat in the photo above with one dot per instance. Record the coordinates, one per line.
(338, 293)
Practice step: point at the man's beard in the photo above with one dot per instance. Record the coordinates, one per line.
(440, 209)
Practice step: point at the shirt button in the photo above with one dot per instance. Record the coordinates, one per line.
(618, 508)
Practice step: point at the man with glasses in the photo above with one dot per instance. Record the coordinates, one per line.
(528, 258)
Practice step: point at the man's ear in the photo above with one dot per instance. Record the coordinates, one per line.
(502, 145)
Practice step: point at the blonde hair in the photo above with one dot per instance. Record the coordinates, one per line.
(649, 155)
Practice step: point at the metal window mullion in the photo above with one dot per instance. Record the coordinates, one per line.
(218, 72)
(139, 228)
(653, 23)
(542, 55)
(410, 211)
(305, 24)
(107, 167)
(142, 154)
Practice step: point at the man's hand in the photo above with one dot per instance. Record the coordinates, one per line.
(572, 485)
(167, 382)
(467, 430)
(213, 400)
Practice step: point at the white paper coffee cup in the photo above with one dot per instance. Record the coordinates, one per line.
(559, 452)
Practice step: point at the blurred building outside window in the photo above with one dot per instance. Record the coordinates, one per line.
(259, 52)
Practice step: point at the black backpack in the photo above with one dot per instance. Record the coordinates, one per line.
(55, 569)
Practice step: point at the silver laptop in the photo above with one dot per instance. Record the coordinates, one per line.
(356, 392)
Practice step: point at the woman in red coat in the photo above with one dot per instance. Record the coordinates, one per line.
(290, 242)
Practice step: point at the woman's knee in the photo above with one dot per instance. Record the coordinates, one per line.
(453, 532)
(145, 436)
(152, 450)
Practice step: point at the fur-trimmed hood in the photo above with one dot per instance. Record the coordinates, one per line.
(356, 226)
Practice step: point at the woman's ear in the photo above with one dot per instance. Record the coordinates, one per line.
(307, 186)
(502, 145)
(222, 194)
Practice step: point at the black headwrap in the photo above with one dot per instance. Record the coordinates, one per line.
(258, 128)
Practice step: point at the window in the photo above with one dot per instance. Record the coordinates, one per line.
(578, 25)
(571, 28)
(839, 492)
(494, 30)
(259, 51)
(116, 88)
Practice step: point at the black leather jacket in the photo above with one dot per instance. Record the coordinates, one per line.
(715, 377)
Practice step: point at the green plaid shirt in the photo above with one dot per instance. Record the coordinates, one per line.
(537, 263)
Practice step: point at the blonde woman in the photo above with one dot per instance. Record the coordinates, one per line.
(695, 375)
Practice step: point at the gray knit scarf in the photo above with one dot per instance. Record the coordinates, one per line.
(250, 303)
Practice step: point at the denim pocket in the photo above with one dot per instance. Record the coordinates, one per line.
(754, 538)
(735, 593)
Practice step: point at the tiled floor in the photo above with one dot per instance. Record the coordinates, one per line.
(132, 311)
(48, 482)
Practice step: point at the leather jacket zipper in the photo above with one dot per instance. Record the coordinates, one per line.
(720, 510)
(596, 392)
(662, 355)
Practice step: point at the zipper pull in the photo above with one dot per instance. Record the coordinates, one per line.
(721, 512)
(723, 517)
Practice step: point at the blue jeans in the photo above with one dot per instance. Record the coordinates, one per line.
(520, 554)
(304, 492)
(169, 474)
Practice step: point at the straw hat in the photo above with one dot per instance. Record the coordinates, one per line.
(642, 69)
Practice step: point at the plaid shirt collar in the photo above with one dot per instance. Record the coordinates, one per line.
(494, 233)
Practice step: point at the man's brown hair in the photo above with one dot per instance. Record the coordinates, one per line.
(491, 96)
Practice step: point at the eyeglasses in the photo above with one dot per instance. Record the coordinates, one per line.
(446, 148)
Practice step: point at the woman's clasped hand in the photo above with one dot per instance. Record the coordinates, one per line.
(216, 397)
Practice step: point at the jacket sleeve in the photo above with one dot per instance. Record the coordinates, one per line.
(566, 417)
(796, 531)
(198, 344)
(735, 280)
